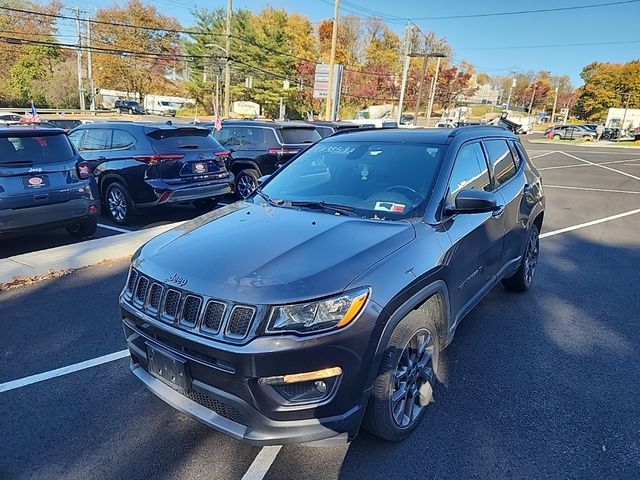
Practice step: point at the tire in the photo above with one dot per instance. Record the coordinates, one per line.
(246, 182)
(384, 417)
(85, 229)
(206, 204)
(522, 280)
(587, 138)
(119, 203)
(557, 137)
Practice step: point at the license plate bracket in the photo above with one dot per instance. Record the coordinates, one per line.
(169, 368)
(35, 181)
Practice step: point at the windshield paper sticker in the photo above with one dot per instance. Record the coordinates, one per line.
(389, 207)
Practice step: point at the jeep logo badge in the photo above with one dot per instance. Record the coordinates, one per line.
(177, 280)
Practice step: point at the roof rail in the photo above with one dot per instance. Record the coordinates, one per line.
(458, 130)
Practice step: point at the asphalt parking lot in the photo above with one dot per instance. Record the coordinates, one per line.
(538, 385)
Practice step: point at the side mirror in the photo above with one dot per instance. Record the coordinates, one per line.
(263, 179)
(475, 201)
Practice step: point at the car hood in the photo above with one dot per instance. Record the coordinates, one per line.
(260, 254)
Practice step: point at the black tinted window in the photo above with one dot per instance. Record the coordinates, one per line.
(229, 136)
(252, 136)
(470, 172)
(515, 154)
(97, 139)
(35, 150)
(182, 139)
(122, 139)
(298, 135)
(500, 157)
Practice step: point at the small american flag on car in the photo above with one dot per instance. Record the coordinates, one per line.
(32, 116)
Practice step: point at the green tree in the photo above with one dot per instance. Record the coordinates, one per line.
(33, 63)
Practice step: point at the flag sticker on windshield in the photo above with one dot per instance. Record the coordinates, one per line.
(389, 207)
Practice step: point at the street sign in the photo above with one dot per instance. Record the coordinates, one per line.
(321, 80)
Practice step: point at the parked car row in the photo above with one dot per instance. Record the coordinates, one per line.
(570, 132)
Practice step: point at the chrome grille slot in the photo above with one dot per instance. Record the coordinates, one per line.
(240, 321)
(172, 303)
(141, 290)
(155, 297)
(190, 310)
(133, 278)
(213, 316)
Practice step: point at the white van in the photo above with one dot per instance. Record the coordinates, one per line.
(159, 105)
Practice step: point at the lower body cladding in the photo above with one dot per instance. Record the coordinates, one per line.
(40, 217)
(270, 391)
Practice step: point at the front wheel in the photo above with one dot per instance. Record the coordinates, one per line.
(523, 278)
(404, 386)
(557, 137)
(119, 203)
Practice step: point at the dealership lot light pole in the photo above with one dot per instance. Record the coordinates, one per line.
(434, 85)
(329, 109)
(427, 56)
(227, 66)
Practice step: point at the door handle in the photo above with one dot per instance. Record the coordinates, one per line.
(101, 158)
(497, 213)
(41, 197)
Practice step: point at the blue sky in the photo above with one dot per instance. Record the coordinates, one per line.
(476, 39)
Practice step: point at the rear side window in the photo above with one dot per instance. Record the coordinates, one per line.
(470, 172)
(35, 150)
(97, 139)
(182, 139)
(298, 135)
(501, 159)
(122, 139)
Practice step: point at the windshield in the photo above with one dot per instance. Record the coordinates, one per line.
(35, 149)
(384, 180)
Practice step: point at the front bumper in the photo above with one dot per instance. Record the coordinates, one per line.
(47, 216)
(224, 392)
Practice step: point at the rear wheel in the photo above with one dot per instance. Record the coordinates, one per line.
(557, 137)
(523, 278)
(404, 386)
(246, 182)
(84, 229)
(119, 203)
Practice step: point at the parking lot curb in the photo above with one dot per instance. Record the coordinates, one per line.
(74, 256)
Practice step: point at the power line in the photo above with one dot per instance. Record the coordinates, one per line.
(556, 45)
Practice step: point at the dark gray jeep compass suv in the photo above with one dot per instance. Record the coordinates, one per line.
(321, 301)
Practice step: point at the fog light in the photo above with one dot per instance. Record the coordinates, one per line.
(321, 386)
(302, 377)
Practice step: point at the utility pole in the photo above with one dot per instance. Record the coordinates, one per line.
(533, 96)
(79, 60)
(405, 70)
(328, 113)
(422, 73)
(227, 66)
(92, 94)
(624, 117)
(513, 84)
(433, 91)
(555, 105)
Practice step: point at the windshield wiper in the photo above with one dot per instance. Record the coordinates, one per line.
(321, 205)
(270, 201)
(17, 162)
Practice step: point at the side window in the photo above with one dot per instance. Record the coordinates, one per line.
(500, 158)
(253, 136)
(470, 172)
(515, 153)
(76, 138)
(122, 139)
(97, 139)
(228, 136)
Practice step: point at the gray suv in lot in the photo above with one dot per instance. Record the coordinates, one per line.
(321, 302)
(44, 183)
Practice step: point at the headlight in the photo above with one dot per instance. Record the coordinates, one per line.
(334, 312)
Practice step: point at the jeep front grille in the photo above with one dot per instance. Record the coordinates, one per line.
(172, 303)
(188, 311)
(240, 321)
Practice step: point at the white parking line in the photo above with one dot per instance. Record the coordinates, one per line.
(115, 229)
(587, 189)
(543, 154)
(613, 162)
(58, 372)
(589, 224)
(262, 463)
(601, 166)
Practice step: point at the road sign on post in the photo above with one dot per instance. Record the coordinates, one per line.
(321, 84)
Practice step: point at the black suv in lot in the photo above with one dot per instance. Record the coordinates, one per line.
(129, 106)
(44, 183)
(141, 165)
(373, 245)
(259, 147)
